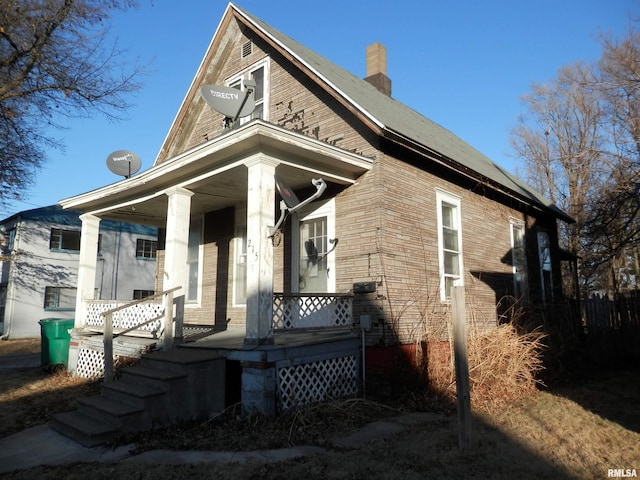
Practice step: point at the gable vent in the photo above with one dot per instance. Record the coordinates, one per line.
(246, 49)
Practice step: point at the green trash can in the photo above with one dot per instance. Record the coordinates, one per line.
(54, 341)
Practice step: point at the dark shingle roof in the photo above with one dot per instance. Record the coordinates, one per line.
(398, 118)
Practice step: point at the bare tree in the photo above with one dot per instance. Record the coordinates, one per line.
(581, 145)
(561, 144)
(613, 230)
(56, 61)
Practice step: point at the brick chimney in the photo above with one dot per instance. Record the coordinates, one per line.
(377, 68)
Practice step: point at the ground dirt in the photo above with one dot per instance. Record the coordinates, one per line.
(578, 429)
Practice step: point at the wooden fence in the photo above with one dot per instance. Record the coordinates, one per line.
(612, 327)
(602, 314)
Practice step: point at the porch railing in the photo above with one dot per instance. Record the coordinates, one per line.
(300, 310)
(144, 314)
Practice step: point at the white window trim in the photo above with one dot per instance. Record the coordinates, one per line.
(445, 197)
(311, 211)
(244, 74)
(519, 224)
(240, 236)
(198, 301)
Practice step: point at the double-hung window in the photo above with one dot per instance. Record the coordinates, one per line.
(258, 73)
(518, 258)
(67, 240)
(146, 248)
(240, 254)
(59, 298)
(449, 243)
(194, 262)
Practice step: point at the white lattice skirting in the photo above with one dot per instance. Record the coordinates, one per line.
(91, 363)
(317, 381)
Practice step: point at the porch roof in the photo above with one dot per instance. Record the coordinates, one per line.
(215, 172)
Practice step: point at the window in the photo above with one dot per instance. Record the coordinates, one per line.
(146, 248)
(240, 255)
(259, 74)
(518, 258)
(314, 259)
(544, 255)
(59, 298)
(140, 294)
(68, 240)
(449, 243)
(11, 240)
(193, 260)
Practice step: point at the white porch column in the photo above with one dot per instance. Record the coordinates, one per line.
(177, 239)
(261, 198)
(87, 266)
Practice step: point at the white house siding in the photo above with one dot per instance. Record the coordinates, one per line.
(34, 266)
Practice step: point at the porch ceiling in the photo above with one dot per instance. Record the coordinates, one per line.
(216, 173)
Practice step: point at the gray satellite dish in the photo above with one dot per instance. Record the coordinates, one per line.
(123, 162)
(230, 102)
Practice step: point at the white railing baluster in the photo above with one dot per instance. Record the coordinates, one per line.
(167, 318)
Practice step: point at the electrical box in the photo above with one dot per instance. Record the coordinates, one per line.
(364, 287)
(365, 322)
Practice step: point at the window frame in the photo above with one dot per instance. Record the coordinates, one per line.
(139, 294)
(520, 276)
(314, 210)
(194, 260)
(246, 74)
(240, 257)
(59, 247)
(153, 248)
(57, 292)
(454, 201)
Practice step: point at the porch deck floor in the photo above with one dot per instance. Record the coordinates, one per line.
(233, 339)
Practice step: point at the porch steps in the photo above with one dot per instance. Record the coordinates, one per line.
(165, 388)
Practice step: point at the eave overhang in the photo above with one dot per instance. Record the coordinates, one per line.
(215, 172)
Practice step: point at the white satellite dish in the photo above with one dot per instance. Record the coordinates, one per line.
(231, 102)
(123, 162)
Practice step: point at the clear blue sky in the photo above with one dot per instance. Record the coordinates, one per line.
(462, 63)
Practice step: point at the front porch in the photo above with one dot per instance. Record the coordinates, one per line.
(313, 351)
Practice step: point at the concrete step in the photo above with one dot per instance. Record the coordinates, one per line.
(82, 429)
(122, 415)
(154, 377)
(179, 359)
(132, 393)
(166, 387)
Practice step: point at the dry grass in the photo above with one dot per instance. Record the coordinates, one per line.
(31, 396)
(504, 365)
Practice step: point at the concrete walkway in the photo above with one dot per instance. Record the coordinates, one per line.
(42, 446)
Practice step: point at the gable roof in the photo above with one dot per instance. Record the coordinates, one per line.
(400, 123)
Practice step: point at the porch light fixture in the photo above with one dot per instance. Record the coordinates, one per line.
(290, 202)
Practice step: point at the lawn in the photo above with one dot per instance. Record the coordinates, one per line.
(577, 430)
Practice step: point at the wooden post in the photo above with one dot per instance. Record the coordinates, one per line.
(168, 321)
(108, 347)
(458, 312)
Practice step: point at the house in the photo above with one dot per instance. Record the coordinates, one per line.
(293, 197)
(39, 266)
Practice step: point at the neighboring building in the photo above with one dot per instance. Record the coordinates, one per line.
(39, 266)
(409, 211)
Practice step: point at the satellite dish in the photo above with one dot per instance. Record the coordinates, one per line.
(287, 193)
(230, 102)
(123, 162)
